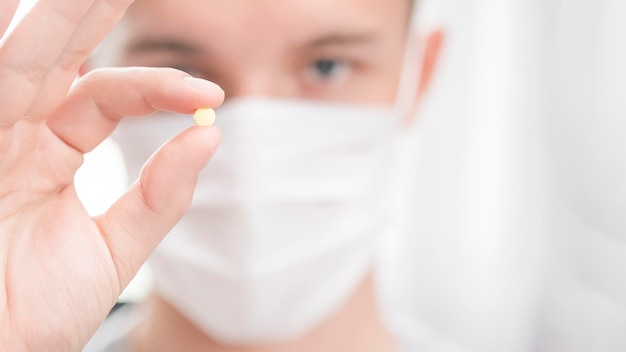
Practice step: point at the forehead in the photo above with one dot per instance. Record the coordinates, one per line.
(266, 20)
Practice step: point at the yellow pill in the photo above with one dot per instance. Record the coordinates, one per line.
(204, 117)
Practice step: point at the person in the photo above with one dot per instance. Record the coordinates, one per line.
(275, 252)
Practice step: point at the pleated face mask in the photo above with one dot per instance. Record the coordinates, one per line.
(284, 219)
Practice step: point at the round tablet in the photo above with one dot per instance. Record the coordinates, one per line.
(204, 117)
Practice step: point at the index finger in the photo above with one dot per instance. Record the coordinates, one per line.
(102, 98)
(34, 47)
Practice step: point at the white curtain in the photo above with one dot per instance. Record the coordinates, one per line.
(516, 223)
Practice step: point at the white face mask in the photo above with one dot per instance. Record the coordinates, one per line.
(284, 219)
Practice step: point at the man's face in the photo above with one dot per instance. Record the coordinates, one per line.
(334, 50)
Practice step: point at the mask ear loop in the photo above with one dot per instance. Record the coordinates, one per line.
(410, 74)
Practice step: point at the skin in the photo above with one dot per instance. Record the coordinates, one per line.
(361, 40)
(61, 269)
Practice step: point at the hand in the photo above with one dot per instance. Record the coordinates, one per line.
(62, 270)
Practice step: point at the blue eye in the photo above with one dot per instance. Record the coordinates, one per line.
(328, 68)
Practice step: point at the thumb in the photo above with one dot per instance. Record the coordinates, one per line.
(139, 220)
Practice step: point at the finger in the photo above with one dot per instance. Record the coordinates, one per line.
(100, 19)
(97, 102)
(32, 49)
(7, 11)
(139, 220)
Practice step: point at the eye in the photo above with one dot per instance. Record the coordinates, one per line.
(328, 69)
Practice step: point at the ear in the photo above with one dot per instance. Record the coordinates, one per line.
(432, 44)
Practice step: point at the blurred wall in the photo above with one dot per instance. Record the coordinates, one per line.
(516, 227)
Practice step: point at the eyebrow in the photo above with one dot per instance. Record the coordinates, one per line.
(151, 45)
(178, 46)
(341, 39)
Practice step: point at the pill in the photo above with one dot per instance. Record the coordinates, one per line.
(204, 117)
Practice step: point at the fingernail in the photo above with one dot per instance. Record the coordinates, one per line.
(201, 84)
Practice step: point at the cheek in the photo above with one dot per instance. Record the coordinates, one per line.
(387, 84)
(377, 82)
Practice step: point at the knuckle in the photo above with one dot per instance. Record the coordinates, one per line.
(33, 72)
(71, 12)
(71, 59)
